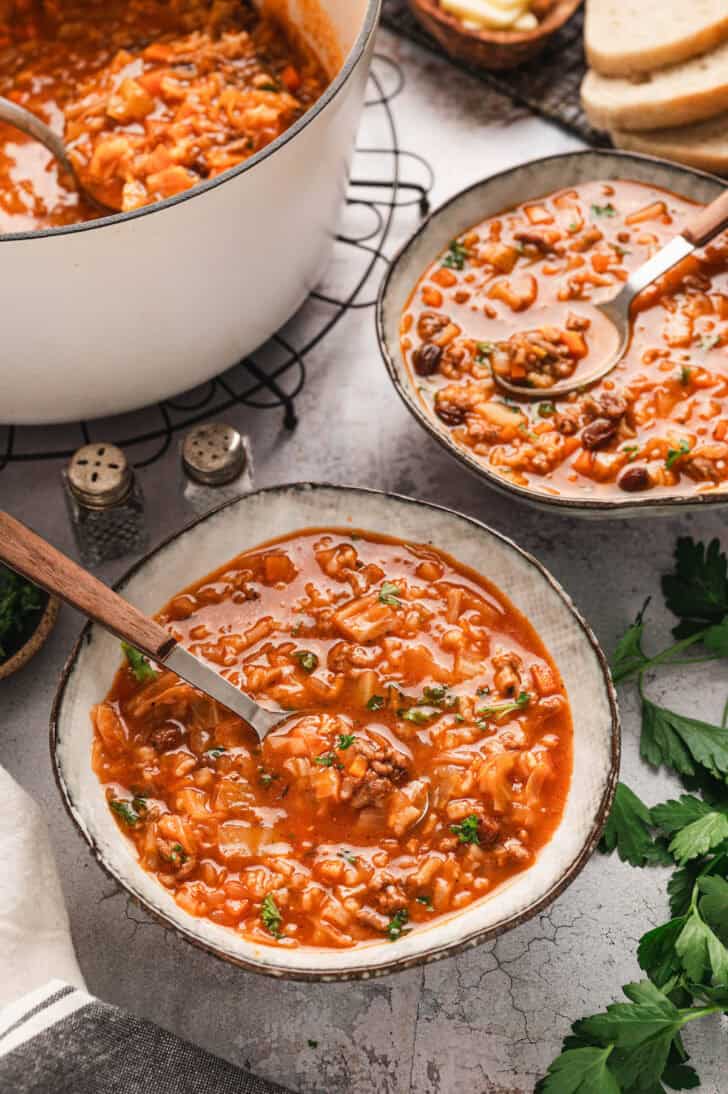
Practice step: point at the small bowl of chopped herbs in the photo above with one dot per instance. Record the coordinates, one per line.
(27, 616)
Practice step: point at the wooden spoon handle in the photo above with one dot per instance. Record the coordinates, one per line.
(707, 222)
(42, 564)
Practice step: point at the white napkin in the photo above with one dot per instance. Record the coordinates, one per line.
(35, 939)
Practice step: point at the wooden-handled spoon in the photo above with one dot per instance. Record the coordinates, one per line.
(39, 562)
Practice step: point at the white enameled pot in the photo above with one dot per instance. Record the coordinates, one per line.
(111, 315)
(253, 519)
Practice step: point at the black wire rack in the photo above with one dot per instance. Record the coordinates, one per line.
(274, 377)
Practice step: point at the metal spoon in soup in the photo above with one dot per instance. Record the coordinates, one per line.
(572, 346)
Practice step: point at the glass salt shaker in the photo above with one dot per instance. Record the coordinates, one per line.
(216, 466)
(105, 503)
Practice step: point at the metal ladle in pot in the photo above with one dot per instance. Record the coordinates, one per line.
(32, 126)
(700, 228)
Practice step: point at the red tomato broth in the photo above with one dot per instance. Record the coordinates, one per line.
(151, 96)
(657, 424)
(343, 817)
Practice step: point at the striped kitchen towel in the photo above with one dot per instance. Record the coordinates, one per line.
(60, 1040)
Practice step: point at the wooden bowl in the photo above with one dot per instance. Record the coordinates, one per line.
(46, 624)
(492, 49)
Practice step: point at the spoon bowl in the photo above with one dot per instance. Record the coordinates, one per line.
(32, 126)
(702, 226)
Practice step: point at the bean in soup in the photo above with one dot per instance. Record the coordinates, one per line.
(434, 765)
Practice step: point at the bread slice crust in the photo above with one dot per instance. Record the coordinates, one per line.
(631, 37)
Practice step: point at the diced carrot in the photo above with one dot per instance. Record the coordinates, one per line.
(649, 212)
(291, 78)
(444, 277)
(583, 462)
(544, 680)
(537, 214)
(357, 767)
(431, 297)
(574, 342)
(721, 429)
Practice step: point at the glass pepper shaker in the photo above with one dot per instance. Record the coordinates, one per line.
(105, 503)
(216, 466)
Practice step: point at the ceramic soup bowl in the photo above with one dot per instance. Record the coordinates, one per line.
(488, 198)
(251, 520)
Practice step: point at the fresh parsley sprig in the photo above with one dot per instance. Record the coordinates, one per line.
(637, 1046)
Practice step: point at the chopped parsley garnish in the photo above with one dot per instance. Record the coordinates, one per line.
(636, 1045)
(296, 629)
(265, 777)
(456, 256)
(271, 916)
(389, 594)
(397, 925)
(546, 410)
(346, 740)
(376, 702)
(436, 694)
(498, 710)
(327, 759)
(674, 454)
(178, 854)
(467, 832)
(348, 856)
(312, 1043)
(307, 660)
(139, 664)
(685, 374)
(484, 351)
(216, 752)
(426, 902)
(607, 210)
(125, 810)
(419, 715)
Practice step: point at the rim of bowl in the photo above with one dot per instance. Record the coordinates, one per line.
(369, 25)
(674, 503)
(436, 952)
(553, 21)
(35, 642)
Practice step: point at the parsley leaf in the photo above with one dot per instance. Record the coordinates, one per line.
(125, 810)
(307, 660)
(697, 590)
(685, 744)
(376, 702)
(607, 210)
(21, 604)
(699, 837)
(467, 832)
(580, 1071)
(628, 831)
(389, 594)
(673, 815)
(346, 740)
(499, 710)
(675, 454)
(714, 904)
(426, 902)
(656, 952)
(703, 955)
(397, 925)
(456, 256)
(546, 409)
(629, 656)
(271, 916)
(139, 664)
(348, 856)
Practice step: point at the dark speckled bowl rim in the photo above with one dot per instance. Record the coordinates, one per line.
(666, 504)
(448, 949)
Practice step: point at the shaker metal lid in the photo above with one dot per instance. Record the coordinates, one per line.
(99, 475)
(213, 454)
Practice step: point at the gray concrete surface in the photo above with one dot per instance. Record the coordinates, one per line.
(487, 1022)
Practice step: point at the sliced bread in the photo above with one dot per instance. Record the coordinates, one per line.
(627, 37)
(703, 145)
(684, 93)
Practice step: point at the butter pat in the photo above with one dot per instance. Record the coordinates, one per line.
(491, 14)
